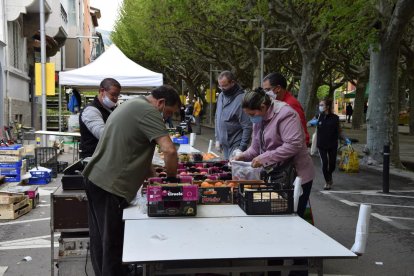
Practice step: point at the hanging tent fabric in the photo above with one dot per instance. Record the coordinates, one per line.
(111, 64)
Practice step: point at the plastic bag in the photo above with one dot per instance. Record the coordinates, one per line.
(349, 160)
(244, 171)
(314, 148)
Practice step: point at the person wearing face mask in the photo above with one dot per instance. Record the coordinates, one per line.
(275, 86)
(232, 126)
(329, 131)
(117, 169)
(93, 117)
(277, 137)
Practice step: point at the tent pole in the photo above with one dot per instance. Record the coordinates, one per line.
(60, 107)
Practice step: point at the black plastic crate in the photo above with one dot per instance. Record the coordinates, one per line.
(61, 166)
(265, 199)
(47, 157)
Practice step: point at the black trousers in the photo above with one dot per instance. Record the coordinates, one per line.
(106, 230)
(328, 159)
(304, 198)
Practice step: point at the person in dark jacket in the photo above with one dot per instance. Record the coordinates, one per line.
(233, 128)
(329, 131)
(349, 111)
(93, 117)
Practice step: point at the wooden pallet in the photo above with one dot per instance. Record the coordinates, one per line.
(8, 198)
(15, 210)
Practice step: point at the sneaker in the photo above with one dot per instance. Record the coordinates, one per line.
(327, 187)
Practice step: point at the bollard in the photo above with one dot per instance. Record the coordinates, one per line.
(386, 170)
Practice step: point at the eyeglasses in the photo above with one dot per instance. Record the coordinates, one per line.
(268, 89)
(113, 96)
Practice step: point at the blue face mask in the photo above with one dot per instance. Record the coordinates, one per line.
(256, 119)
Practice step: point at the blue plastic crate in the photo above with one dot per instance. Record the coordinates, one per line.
(14, 178)
(39, 180)
(40, 174)
(180, 140)
(11, 147)
(10, 171)
(11, 165)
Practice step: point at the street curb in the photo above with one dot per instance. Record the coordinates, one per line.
(393, 171)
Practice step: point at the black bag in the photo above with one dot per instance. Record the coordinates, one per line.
(282, 175)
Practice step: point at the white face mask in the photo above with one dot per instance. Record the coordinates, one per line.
(108, 103)
(271, 94)
(321, 109)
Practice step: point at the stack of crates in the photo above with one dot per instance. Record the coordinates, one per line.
(11, 163)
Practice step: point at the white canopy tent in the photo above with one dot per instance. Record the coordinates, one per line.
(111, 64)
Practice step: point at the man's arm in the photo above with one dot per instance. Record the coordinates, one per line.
(170, 155)
(246, 125)
(93, 121)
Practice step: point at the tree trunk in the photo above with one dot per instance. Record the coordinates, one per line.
(358, 114)
(311, 65)
(411, 111)
(381, 116)
(257, 82)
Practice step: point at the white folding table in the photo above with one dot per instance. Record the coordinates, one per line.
(225, 232)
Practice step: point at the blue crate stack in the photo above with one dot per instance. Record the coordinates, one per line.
(11, 162)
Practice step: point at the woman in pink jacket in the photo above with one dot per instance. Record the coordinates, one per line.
(277, 137)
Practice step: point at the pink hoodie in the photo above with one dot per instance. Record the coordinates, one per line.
(283, 138)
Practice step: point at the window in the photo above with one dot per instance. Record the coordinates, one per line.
(16, 45)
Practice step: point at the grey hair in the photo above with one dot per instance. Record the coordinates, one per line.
(228, 75)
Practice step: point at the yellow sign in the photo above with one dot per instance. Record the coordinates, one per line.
(211, 97)
(182, 98)
(50, 79)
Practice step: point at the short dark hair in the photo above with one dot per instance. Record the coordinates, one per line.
(228, 75)
(168, 93)
(253, 99)
(107, 83)
(276, 79)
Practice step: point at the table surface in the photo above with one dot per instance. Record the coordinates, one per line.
(231, 237)
(58, 133)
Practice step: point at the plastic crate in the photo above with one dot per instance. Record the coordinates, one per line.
(62, 165)
(13, 178)
(47, 157)
(180, 140)
(10, 171)
(39, 180)
(11, 164)
(265, 199)
(40, 174)
(31, 161)
(11, 147)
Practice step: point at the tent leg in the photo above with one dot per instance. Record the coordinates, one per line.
(60, 107)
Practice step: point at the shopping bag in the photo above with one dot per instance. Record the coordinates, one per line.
(244, 171)
(349, 160)
(314, 148)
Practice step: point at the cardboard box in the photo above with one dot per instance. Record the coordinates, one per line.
(216, 195)
(172, 200)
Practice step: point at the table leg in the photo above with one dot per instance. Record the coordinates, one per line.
(317, 265)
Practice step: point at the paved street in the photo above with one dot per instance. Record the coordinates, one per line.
(390, 243)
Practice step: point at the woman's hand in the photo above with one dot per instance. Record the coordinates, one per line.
(256, 163)
(238, 157)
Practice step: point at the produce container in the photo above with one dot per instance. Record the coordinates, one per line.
(265, 199)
